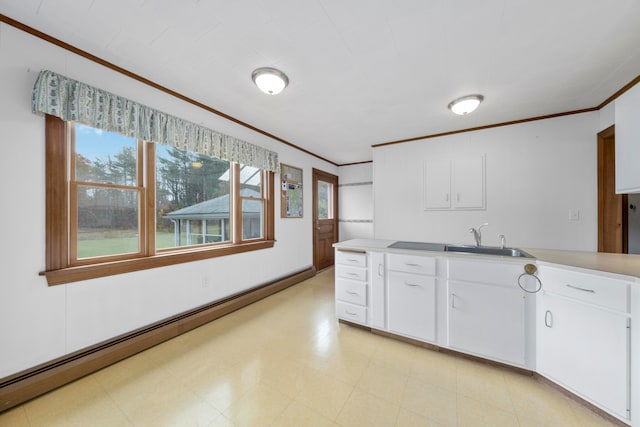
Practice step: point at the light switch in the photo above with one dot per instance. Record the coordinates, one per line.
(574, 214)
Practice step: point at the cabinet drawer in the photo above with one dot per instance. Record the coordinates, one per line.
(353, 313)
(412, 264)
(353, 273)
(591, 288)
(485, 271)
(351, 258)
(351, 291)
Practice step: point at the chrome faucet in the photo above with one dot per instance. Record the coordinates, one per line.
(477, 234)
(503, 241)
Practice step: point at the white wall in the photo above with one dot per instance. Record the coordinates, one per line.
(606, 116)
(355, 196)
(38, 322)
(535, 173)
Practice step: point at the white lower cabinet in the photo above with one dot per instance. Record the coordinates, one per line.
(412, 305)
(360, 287)
(487, 310)
(377, 285)
(584, 346)
(488, 321)
(576, 331)
(352, 288)
(411, 296)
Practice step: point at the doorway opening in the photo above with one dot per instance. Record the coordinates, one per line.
(325, 218)
(613, 209)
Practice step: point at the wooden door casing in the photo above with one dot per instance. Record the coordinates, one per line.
(325, 231)
(612, 207)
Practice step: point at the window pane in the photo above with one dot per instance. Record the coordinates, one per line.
(325, 200)
(250, 179)
(252, 219)
(105, 157)
(192, 198)
(108, 221)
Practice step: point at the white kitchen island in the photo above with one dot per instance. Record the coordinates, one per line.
(576, 331)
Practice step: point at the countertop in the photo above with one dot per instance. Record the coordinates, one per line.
(624, 264)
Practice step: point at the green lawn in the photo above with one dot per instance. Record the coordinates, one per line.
(93, 244)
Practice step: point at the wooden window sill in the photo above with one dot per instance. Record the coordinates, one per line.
(93, 271)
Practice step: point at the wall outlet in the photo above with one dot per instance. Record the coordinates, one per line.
(205, 281)
(574, 214)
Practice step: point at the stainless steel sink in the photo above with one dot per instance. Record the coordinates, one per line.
(440, 247)
(419, 246)
(488, 250)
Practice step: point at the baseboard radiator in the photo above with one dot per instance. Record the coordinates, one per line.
(23, 386)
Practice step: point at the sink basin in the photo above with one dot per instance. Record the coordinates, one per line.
(440, 247)
(488, 250)
(419, 246)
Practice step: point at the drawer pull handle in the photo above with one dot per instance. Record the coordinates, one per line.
(412, 264)
(353, 274)
(578, 288)
(548, 319)
(413, 285)
(352, 293)
(453, 300)
(352, 260)
(350, 313)
(380, 270)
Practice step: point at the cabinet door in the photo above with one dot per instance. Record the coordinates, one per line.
(437, 184)
(377, 316)
(412, 305)
(586, 349)
(488, 321)
(468, 183)
(627, 112)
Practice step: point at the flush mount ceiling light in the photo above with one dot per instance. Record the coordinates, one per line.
(270, 80)
(466, 104)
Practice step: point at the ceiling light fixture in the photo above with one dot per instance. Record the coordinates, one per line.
(270, 80)
(465, 105)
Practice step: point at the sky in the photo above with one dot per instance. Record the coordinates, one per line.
(95, 143)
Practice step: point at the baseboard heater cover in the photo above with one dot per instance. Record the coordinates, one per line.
(23, 386)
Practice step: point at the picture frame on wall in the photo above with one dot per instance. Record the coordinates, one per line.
(291, 194)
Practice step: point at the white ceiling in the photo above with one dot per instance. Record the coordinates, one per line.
(361, 72)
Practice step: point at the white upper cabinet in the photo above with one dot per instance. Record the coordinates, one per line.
(454, 183)
(437, 184)
(628, 141)
(467, 183)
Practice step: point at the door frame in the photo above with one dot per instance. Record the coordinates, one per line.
(319, 175)
(605, 138)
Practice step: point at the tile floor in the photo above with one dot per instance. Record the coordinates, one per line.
(285, 361)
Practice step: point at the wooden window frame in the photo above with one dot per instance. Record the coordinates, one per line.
(60, 269)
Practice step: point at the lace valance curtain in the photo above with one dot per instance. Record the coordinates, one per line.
(70, 99)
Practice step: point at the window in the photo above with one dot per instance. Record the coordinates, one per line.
(193, 201)
(325, 200)
(116, 204)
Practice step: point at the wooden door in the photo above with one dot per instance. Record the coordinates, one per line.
(612, 207)
(325, 218)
